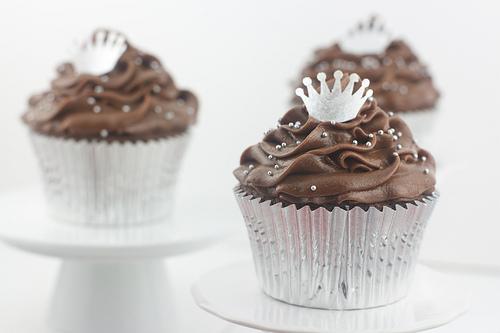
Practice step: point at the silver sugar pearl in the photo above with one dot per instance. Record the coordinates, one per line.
(423, 158)
(90, 100)
(156, 89)
(251, 166)
(138, 61)
(290, 124)
(169, 115)
(98, 89)
(96, 109)
(104, 78)
(370, 135)
(324, 135)
(399, 146)
(276, 166)
(154, 65)
(380, 132)
(158, 109)
(296, 126)
(395, 154)
(278, 147)
(368, 144)
(283, 144)
(297, 142)
(333, 122)
(180, 102)
(104, 133)
(391, 130)
(270, 157)
(245, 172)
(426, 171)
(415, 156)
(354, 142)
(313, 188)
(400, 134)
(390, 113)
(395, 137)
(126, 108)
(269, 173)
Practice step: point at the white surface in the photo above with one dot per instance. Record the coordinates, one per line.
(32, 230)
(107, 297)
(27, 284)
(239, 57)
(109, 274)
(232, 293)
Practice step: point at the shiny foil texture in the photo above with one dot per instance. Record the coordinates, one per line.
(101, 183)
(340, 259)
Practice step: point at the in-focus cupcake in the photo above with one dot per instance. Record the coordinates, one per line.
(336, 200)
(400, 81)
(110, 133)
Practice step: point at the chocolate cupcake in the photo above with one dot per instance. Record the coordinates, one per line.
(336, 199)
(400, 81)
(110, 134)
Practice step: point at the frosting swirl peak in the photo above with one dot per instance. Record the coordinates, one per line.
(137, 100)
(371, 159)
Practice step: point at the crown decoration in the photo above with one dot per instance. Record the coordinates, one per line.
(336, 104)
(369, 36)
(99, 54)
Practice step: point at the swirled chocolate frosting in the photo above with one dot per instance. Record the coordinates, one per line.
(137, 100)
(400, 82)
(369, 160)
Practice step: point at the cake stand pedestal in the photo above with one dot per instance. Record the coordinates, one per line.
(110, 280)
(232, 294)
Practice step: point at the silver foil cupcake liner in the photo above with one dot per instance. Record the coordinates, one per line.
(340, 259)
(109, 184)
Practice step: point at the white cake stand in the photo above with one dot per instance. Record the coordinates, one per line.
(111, 281)
(231, 293)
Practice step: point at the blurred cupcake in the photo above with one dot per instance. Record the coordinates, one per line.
(336, 200)
(400, 81)
(110, 134)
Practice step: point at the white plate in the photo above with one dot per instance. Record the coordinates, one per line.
(25, 225)
(231, 293)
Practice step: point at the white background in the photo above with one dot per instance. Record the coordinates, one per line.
(239, 58)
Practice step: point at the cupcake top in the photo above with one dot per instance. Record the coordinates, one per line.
(400, 81)
(133, 99)
(367, 160)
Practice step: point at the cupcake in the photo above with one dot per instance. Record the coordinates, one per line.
(398, 78)
(336, 200)
(109, 134)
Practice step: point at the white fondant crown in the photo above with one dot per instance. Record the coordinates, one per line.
(336, 104)
(99, 54)
(368, 36)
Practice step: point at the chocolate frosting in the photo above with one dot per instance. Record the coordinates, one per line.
(400, 82)
(371, 159)
(137, 100)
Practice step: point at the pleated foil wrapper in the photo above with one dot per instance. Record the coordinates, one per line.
(340, 259)
(112, 184)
